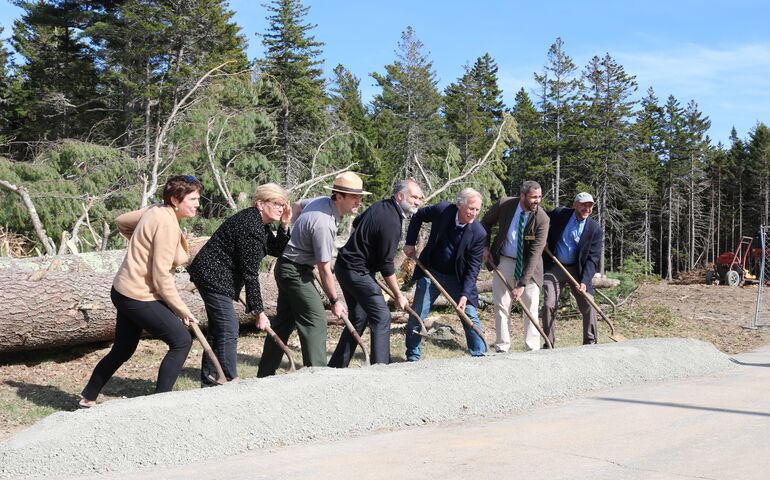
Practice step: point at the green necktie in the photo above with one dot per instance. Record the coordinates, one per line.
(520, 247)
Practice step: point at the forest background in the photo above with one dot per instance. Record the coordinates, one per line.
(102, 100)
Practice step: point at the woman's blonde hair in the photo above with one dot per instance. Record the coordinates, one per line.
(270, 192)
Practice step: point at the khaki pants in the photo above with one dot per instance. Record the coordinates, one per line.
(503, 300)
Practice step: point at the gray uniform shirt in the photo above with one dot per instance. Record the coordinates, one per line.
(314, 232)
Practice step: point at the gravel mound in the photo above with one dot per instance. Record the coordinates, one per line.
(320, 403)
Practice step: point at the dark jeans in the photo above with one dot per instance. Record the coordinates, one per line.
(222, 335)
(133, 316)
(366, 305)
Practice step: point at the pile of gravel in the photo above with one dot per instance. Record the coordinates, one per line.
(319, 403)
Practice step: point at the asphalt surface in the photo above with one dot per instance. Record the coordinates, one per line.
(710, 427)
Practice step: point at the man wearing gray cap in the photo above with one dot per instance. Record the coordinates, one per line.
(576, 240)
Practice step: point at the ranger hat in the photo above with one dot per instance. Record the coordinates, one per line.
(584, 197)
(348, 182)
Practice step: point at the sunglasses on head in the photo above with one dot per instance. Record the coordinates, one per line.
(189, 178)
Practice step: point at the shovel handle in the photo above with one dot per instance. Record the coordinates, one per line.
(451, 301)
(531, 317)
(275, 338)
(407, 308)
(282, 346)
(358, 338)
(345, 319)
(221, 378)
(586, 295)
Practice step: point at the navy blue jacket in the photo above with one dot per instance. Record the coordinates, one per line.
(470, 249)
(589, 248)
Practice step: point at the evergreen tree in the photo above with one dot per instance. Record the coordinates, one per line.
(646, 175)
(759, 166)
(406, 112)
(560, 85)
(5, 90)
(473, 106)
(58, 95)
(697, 147)
(152, 53)
(293, 61)
(352, 114)
(526, 160)
(605, 161)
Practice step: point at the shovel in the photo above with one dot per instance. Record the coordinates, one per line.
(348, 324)
(451, 301)
(221, 378)
(431, 334)
(531, 317)
(616, 337)
(276, 339)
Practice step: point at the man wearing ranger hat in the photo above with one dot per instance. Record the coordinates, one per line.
(576, 240)
(311, 245)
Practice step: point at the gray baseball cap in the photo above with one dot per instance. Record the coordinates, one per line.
(584, 197)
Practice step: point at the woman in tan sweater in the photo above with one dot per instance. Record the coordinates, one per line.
(144, 292)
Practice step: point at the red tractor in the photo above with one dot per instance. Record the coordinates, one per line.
(738, 267)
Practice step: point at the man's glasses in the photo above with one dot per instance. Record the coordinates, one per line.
(189, 178)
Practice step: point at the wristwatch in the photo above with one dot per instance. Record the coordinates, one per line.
(332, 301)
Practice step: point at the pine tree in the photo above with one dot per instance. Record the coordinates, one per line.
(560, 85)
(646, 174)
(526, 160)
(406, 112)
(697, 147)
(759, 164)
(473, 106)
(58, 92)
(293, 61)
(352, 114)
(605, 161)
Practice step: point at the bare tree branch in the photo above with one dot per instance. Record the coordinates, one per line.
(474, 167)
(21, 191)
(151, 184)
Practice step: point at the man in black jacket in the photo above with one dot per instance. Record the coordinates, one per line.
(453, 255)
(371, 248)
(576, 240)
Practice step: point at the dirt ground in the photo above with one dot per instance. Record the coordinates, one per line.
(37, 384)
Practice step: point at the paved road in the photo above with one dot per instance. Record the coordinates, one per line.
(715, 427)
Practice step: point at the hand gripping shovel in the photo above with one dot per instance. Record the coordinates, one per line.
(348, 324)
(277, 340)
(451, 301)
(221, 378)
(432, 334)
(531, 317)
(616, 337)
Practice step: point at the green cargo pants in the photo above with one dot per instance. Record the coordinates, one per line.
(300, 305)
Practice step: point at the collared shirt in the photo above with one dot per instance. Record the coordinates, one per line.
(314, 232)
(510, 246)
(457, 221)
(567, 246)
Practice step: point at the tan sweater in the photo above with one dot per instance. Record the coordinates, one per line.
(155, 248)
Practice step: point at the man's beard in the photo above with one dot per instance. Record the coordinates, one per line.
(407, 207)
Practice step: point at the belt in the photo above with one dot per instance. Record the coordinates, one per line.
(301, 266)
(508, 256)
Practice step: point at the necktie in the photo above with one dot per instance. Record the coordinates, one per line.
(520, 247)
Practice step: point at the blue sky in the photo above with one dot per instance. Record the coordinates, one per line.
(714, 52)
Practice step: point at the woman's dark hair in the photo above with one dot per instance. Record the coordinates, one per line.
(179, 186)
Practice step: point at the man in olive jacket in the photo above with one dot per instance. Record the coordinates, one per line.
(517, 252)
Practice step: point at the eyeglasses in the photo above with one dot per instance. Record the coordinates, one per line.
(280, 205)
(189, 178)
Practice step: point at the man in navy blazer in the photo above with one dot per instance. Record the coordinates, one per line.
(453, 256)
(576, 240)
